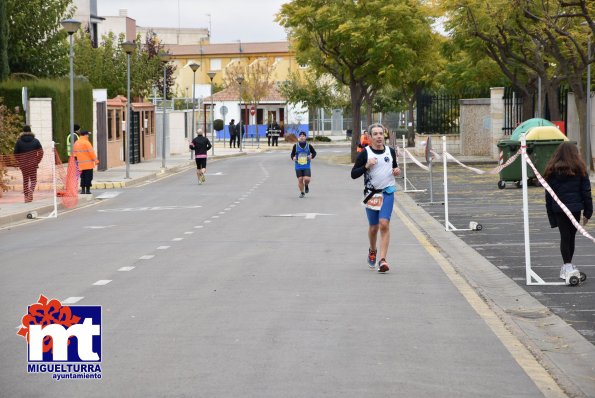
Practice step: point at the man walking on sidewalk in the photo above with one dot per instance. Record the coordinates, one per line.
(302, 154)
(28, 153)
(86, 160)
(378, 164)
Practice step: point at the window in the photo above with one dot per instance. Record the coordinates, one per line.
(110, 126)
(216, 64)
(118, 125)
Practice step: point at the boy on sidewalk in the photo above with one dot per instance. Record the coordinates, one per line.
(302, 153)
(378, 164)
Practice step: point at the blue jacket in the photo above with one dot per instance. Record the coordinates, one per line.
(573, 191)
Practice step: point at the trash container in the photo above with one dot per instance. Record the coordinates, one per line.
(513, 172)
(527, 125)
(542, 141)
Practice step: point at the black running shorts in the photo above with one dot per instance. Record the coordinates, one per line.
(303, 173)
(201, 163)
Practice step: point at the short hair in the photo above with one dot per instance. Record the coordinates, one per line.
(375, 125)
(199, 132)
(84, 132)
(26, 129)
(302, 133)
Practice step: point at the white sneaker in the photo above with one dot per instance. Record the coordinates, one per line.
(563, 271)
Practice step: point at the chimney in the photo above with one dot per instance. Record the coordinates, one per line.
(123, 12)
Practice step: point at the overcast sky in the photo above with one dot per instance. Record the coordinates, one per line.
(231, 20)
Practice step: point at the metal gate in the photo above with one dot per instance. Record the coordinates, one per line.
(438, 113)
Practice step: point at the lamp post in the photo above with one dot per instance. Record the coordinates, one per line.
(211, 76)
(194, 66)
(71, 26)
(164, 57)
(128, 47)
(240, 80)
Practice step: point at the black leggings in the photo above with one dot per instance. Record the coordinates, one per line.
(567, 235)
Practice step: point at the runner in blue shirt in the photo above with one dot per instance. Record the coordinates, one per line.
(302, 153)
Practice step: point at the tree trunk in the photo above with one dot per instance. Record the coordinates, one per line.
(4, 70)
(580, 99)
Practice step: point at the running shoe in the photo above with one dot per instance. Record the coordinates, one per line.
(204, 179)
(302, 195)
(383, 265)
(307, 189)
(372, 258)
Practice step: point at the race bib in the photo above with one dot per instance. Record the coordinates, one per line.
(302, 159)
(375, 202)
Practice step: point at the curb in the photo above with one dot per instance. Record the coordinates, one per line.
(561, 350)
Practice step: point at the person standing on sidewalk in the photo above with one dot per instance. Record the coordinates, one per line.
(200, 145)
(28, 153)
(378, 164)
(232, 134)
(567, 175)
(302, 154)
(86, 159)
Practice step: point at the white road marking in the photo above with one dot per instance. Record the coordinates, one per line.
(124, 269)
(503, 267)
(177, 239)
(163, 247)
(99, 226)
(108, 195)
(207, 221)
(307, 216)
(214, 216)
(227, 209)
(232, 205)
(221, 212)
(102, 282)
(146, 257)
(198, 226)
(71, 300)
(237, 203)
(188, 233)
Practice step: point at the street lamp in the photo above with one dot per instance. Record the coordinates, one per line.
(164, 57)
(240, 80)
(128, 47)
(71, 26)
(211, 76)
(194, 66)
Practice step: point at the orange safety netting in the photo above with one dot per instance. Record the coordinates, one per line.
(32, 177)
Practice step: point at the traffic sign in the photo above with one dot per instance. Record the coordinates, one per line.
(223, 110)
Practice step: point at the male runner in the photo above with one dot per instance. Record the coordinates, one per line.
(302, 153)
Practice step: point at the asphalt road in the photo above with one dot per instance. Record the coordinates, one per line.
(474, 197)
(239, 288)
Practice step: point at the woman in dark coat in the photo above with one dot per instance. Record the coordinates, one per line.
(28, 153)
(567, 175)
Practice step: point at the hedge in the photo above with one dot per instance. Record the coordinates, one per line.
(59, 91)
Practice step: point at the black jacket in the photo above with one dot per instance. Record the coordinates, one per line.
(28, 143)
(573, 191)
(200, 144)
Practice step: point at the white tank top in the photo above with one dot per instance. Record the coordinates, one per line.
(380, 175)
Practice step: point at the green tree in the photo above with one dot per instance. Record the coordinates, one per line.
(359, 43)
(106, 65)
(4, 69)
(37, 43)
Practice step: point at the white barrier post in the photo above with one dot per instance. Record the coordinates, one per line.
(525, 210)
(445, 183)
(54, 213)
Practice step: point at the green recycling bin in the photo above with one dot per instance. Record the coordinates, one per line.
(513, 172)
(542, 141)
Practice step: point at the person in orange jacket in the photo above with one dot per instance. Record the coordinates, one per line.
(364, 141)
(86, 160)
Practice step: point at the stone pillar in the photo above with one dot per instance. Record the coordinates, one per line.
(497, 118)
(40, 111)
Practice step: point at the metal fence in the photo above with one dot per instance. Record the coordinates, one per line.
(438, 113)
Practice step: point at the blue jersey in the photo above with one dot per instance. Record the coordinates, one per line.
(302, 161)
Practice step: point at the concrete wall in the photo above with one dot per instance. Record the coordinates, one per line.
(40, 113)
(475, 123)
(497, 119)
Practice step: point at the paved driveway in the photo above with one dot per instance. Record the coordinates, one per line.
(474, 197)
